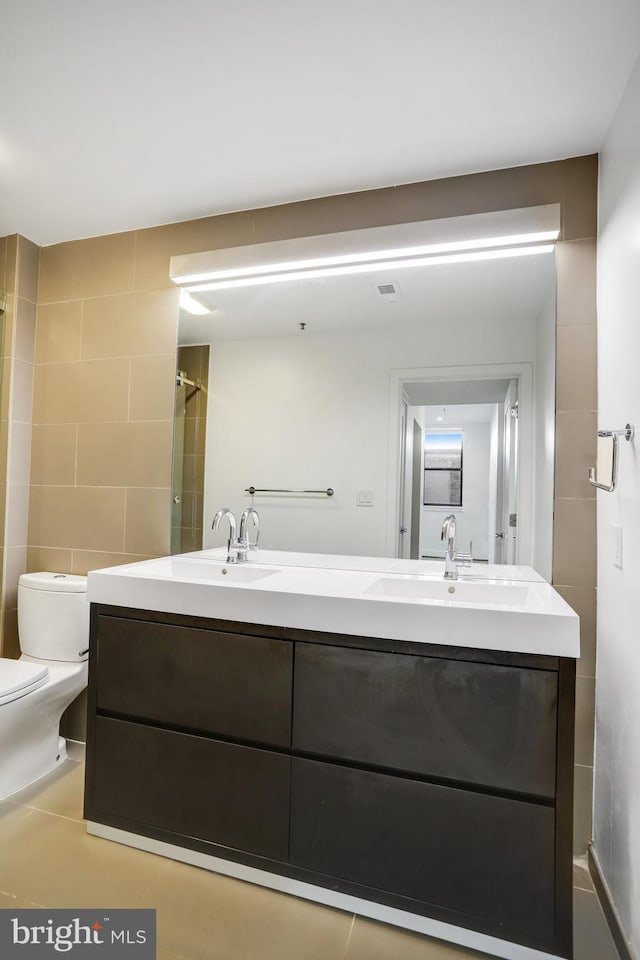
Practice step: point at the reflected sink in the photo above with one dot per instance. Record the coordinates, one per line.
(453, 591)
(222, 573)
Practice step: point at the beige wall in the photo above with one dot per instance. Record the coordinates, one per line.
(21, 282)
(105, 353)
(574, 559)
(103, 402)
(7, 280)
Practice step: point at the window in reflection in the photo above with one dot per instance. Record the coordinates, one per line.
(443, 469)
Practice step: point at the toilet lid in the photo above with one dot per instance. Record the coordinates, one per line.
(17, 678)
(57, 582)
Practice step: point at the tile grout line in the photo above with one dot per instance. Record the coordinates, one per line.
(116, 356)
(146, 890)
(52, 813)
(49, 813)
(346, 949)
(75, 465)
(134, 264)
(81, 329)
(124, 520)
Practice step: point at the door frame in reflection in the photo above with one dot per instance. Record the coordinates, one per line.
(523, 373)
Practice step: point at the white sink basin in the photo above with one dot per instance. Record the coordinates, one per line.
(177, 569)
(451, 591)
(224, 573)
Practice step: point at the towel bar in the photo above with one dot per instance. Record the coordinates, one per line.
(628, 433)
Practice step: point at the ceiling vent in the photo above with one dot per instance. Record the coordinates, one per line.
(389, 292)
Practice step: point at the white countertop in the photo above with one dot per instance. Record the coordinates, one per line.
(488, 607)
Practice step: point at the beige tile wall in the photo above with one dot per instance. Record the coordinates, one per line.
(103, 401)
(574, 554)
(5, 318)
(106, 341)
(21, 261)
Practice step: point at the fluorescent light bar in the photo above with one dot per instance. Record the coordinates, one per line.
(356, 268)
(377, 256)
(191, 305)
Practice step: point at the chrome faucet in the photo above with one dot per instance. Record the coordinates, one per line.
(452, 559)
(248, 514)
(237, 549)
(234, 547)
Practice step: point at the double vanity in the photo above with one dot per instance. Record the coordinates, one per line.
(356, 731)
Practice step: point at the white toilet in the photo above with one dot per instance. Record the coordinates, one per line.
(53, 627)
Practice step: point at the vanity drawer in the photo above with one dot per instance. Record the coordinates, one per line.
(484, 857)
(225, 793)
(478, 723)
(228, 684)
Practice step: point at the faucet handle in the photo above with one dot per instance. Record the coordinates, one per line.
(465, 559)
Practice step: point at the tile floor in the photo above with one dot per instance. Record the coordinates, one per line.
(47, 859)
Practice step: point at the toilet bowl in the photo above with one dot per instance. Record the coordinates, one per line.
(53, 628)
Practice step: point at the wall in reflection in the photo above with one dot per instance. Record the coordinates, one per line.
(312, 412)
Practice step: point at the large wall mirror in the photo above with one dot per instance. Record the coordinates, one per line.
(356, 388)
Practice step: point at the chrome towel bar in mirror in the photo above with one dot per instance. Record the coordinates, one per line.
(251, 490)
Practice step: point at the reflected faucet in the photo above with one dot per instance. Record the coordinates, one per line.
(448, 534)
(452, 559)
(252, 514)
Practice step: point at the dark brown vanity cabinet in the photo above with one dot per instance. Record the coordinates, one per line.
(433, 779)
(487, 724)
(194, 786)
(183, 677)
(483, 856)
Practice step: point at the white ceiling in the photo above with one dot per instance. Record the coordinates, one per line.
(129, 113)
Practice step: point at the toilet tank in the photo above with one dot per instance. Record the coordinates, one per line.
(53, 616)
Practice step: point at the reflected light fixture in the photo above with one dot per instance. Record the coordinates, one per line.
(191, 305)
(489, 248)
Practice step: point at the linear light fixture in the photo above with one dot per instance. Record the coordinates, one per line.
(373, 259)
(359, 268)
(191, 305)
